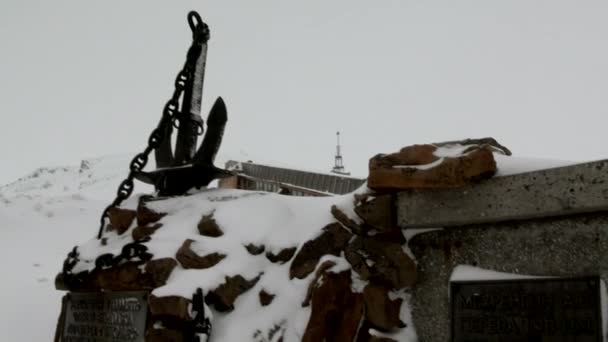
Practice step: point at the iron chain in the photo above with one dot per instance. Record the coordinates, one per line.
(200, 34)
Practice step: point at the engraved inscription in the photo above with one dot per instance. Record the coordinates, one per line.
(105, 317)
(530, 309)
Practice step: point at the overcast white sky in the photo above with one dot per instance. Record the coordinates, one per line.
(83, 79)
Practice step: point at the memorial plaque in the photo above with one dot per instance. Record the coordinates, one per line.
(105, 317)
(549, 309)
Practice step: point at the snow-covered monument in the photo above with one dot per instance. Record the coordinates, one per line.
(445, 241)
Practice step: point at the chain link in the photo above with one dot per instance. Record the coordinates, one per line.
(136, 249)
(200, 35)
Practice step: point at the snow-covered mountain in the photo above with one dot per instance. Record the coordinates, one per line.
(42, 216)
(94, 178)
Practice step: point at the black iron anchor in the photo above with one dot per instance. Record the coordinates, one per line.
(187, 168)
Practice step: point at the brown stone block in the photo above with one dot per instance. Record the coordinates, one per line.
(382, 261)
(140, 233)
(223, 297)
(172, 307)
(208, 227)
(255, 249)
(378, 211)
(332, 241)
(266, 298)
(166, 335)
(124, 277)
(189, 259)
(336, 311)
(341, 217)
(326, 265)
(390, 172)
(120, 219)
(146, 215)
(283, 256)
(381, 312)
(160, 270)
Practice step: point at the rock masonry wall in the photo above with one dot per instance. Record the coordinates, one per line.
(357, 269)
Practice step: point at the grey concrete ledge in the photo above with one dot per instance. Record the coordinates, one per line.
(574, 189)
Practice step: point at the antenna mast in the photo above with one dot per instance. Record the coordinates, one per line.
(338, 164)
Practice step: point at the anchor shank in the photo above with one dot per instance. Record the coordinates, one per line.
(190, 113)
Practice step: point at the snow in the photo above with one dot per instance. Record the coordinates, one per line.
(421, 167)
(513, 165)
(471, 273)
(46, 213)
(245, 217)
(409, 233)
(506, 165)
(42, 216)
(451, 151)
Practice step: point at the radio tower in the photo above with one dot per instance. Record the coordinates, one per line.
(339, 166)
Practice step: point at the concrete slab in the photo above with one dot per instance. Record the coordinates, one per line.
(574, 189)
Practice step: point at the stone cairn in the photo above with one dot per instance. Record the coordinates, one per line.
(371, 243)
(373, 247)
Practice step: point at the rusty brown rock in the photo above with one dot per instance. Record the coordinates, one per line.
(255, 249)
(166, 335)
(381, 312)
(382, 261)
(146, 215)
(349, 223)
(386, 172)
(332, 240)
(378, 211)
(124, 277)
(223, 297)
(283, 256)
(189, 259)
(120, 219)
(326, 265)
(415, 155)
(358, 260)
(160, 270)
(140, 233)
(266, 298)
(336, 311)
(172, 307)
(208, 227)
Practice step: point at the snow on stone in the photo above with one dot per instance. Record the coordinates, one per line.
(472, 273)
(45, 213)
(274, 221)
(508, 165)
(52, 209)
(421, 167)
